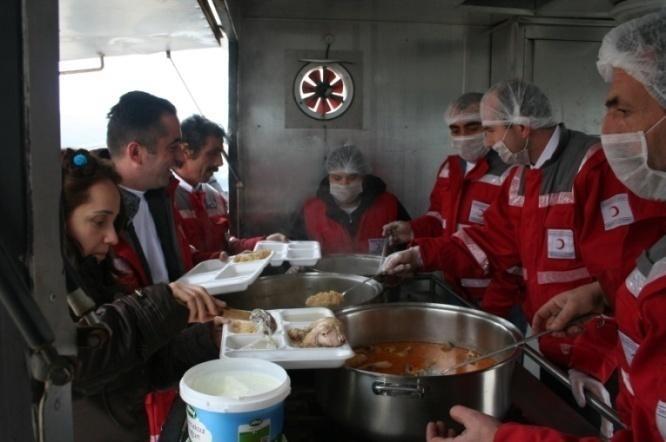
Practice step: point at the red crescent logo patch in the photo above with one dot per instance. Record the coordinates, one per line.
(615, 211)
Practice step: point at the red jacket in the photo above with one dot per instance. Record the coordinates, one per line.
(531, 225)
(205, 221)
(459, 200)
(615, 225)
(338, 232)
(617, 231)
(133, 271)
(640, 313)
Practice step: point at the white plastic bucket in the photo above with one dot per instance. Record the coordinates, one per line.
(236, 399)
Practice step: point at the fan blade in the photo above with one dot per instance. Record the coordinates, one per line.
(337, 98)
(320, 107)
(307, 88)
(337, 87)
(315, 76)
(311, 101)
(333, 104)
(329, 75)
(325, 107)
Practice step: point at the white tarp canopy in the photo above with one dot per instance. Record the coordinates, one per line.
(89, 28)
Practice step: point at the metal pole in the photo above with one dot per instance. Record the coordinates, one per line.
(598, 406)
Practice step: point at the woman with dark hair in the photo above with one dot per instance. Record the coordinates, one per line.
(129, 344)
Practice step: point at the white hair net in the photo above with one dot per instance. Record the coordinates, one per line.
(347, 159)
(638, 47)
(516, 102)
(464, 109)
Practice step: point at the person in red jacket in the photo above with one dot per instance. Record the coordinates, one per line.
(202, 209)
(632, 58)
(531, 224)
(350, 208)
(467, 183)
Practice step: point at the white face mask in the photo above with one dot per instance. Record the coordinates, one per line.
(346, 194)
(627, 155)
(469, 147)
(521, 157)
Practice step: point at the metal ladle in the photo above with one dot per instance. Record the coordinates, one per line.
(579, 320)
(362, 282)
(494, 353)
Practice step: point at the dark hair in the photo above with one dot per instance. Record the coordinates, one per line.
(136, 116)
(80, 171)
(196, 129)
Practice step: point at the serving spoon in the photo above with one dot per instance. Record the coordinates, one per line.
(478, 358)
(362, 282)
(516, 344)
(264, 320)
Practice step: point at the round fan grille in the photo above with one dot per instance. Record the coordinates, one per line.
(323, 91)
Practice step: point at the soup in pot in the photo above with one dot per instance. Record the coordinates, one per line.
(415, 358)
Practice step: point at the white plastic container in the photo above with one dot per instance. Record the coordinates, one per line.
(225, 277)
(286, 354)
(296, 253)
(235, 400)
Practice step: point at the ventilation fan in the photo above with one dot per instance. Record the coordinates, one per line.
(323, 89)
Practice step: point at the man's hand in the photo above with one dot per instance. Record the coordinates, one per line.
(403, 263)
(561, 309)
(223, 256)
(398, 232)
(479, 427)
(201, 305)
(277, 237)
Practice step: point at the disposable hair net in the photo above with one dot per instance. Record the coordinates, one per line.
(516, 102)
(347, 159)
(464, 109)
(638, 47)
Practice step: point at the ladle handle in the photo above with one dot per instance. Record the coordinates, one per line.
(364, 281)
(496, 352)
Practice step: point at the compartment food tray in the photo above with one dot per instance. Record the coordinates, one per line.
(225, 277)
(287, 354)
(297, 253)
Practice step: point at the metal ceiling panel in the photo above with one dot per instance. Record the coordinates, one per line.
(121, 27)
(413, 11)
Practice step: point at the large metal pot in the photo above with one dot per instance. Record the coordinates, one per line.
(356, 264)
(364, 265)
(291, 291)
(388, 407)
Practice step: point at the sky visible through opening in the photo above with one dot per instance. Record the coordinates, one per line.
(86, 98)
